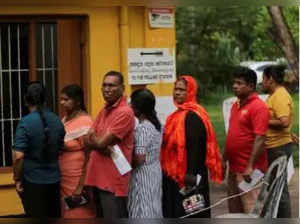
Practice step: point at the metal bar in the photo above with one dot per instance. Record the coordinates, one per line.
(43, 54)
(14, 70)
(19, 73)
(2, 107)
(10, 87)
(52, 65)
(8, 119)
(46, 69)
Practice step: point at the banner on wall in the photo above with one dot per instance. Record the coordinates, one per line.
(161, 18)
(151, 65)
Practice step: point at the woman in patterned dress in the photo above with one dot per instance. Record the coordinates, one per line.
(145, 189)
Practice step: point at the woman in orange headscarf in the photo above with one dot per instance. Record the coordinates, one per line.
(189, 151)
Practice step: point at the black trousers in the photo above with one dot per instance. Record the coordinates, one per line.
(284, 210)
(41, 200)
(110, 206)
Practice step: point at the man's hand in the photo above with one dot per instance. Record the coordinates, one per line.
(247, 173)
(90, 140)
(107, 151)
(295, 138)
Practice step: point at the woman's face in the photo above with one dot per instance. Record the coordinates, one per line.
(180, 92)
(68, 104)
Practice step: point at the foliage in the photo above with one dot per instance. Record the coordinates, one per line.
(211, 41)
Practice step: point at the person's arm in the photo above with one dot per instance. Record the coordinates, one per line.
(19, 150)
(101, 143)
(282, 109)
(118, 129)
(142, 142)
(280, 123)
(18, 157)
(260, 120)
(80, 184)
(195, 137)
(257, 150)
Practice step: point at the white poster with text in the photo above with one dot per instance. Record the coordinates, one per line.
(151, 65)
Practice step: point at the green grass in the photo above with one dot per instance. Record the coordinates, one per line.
(213, 104)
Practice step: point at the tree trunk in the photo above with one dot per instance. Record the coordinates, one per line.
(283, 37)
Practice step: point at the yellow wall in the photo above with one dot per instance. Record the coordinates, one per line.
(111, 31)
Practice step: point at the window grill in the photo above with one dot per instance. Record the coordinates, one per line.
(15, 75)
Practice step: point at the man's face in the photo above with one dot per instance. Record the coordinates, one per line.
(112, 90)
(241, 89)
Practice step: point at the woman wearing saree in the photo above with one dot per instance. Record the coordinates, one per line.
(74, 157)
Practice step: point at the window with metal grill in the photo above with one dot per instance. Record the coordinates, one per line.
(28, 51)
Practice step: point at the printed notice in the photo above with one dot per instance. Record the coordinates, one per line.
(151, 65)
(256, 176)
(120, 160)
(161, 18)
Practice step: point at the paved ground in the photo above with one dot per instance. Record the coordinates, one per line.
(219, 192)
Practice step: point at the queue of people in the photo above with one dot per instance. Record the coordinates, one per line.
(69, 168)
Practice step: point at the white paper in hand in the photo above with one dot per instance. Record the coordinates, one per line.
(256, 176)
(120, 160)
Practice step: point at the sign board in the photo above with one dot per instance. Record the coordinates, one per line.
(151, 65)
(161, 18)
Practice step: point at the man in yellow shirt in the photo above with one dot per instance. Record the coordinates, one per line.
(278, 139)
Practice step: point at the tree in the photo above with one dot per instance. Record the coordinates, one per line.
(211, 41)
(282, 36)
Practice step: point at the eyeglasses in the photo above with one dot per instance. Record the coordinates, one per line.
(109, 85)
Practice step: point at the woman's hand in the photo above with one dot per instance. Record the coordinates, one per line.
(138, 160)
(19, 187)
(190, 180)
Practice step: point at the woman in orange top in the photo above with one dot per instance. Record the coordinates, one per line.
(74, 157)
(188, 151)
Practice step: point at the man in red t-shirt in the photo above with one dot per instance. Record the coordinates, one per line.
(114, 125)
(244, 148)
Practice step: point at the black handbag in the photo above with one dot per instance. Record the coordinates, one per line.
(74, 202)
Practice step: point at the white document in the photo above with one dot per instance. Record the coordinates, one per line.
(256, 176)
(290, 169)
(120, 160)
